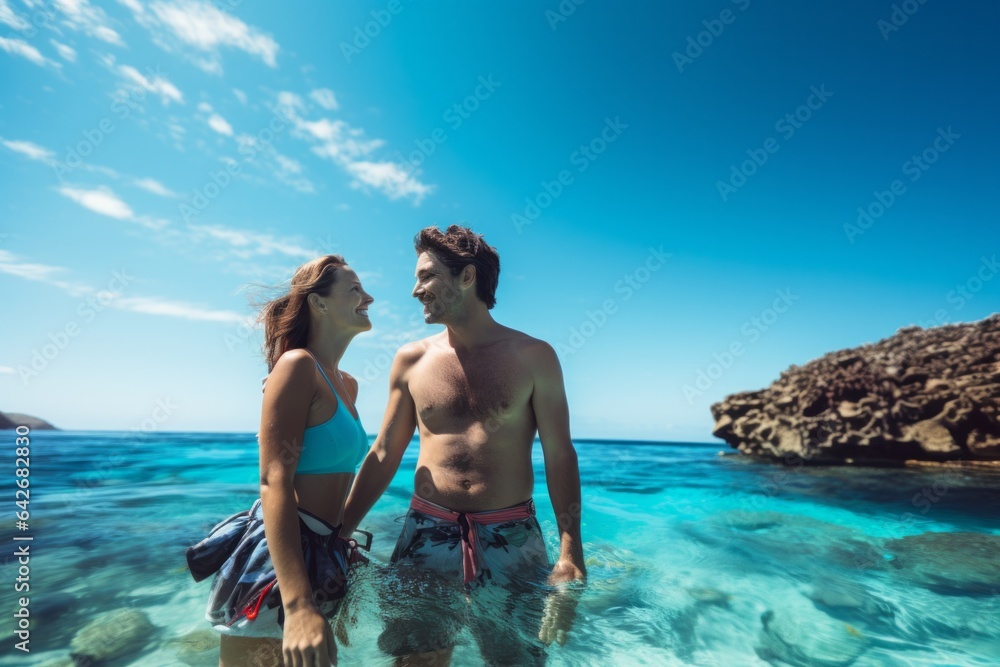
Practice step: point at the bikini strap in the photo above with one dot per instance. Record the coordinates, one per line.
(323, 373)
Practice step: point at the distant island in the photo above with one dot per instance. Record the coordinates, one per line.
(11, 420)
(920, 395)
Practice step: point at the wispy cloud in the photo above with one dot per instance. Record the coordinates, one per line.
(19, 47)
(42, 273)
(101, 198)
(67, 53)
(102, 201)
(9, 17)
(245, 244)
(220, 125)
(240, 95)
(148, 305)
(205, 27)
(166, 307)
(30, 150)
(155, 83)
(7, 370)
(325, 98)
(80, 15)
(154, 186)
(339, 142)
(389, 178)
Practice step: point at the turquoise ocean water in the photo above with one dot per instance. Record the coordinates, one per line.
(695, 558)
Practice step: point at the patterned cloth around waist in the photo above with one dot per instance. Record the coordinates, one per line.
(245, 581)
(472, 566)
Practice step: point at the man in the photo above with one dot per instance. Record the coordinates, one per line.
(471, 552)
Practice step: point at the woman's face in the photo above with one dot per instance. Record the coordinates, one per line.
(347, 303)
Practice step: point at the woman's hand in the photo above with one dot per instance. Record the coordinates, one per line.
(308, 639)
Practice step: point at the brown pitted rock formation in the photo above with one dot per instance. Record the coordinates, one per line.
(927, 394)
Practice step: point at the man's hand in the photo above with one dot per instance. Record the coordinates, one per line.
(566, 571)
(560, 606)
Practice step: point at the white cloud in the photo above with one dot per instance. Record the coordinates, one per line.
(154, 186)
(289, 171)
(325, 98)
(240, 95)
(12, 265)
(347, 146)
(102, 200)
(91, 20)
(290, 103)
(204, 27)
(341, 142)
(65, 52)
(219, 124)
(33, 151)
(158, 306)
(12, 18)
(19, 47)
(154, 83)
(7, 370)
(245, 244)
(288, 164)
(105, 202)
(388, 177)
(205, 106)
(42, 273)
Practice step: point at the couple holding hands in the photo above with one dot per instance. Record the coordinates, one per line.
(471, 553)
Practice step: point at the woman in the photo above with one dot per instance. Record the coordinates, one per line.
(311, 442)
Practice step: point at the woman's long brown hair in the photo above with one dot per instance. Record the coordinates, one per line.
(286, 318)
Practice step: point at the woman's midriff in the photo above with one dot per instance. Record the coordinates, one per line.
(323, 495)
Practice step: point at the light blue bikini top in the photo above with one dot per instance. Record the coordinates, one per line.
(337, 445)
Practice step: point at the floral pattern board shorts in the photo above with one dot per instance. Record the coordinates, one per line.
(426, 603)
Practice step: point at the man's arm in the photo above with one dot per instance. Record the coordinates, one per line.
(562, 471)
(382, 461)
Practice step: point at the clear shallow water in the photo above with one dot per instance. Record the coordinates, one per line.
(687, 552)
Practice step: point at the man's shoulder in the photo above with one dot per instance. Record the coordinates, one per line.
(534, 352)
(525, 344)
(412, 352)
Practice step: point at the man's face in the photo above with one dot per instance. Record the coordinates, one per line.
(436, 289)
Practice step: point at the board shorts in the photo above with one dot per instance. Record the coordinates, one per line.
(244, 599)
(484, 570)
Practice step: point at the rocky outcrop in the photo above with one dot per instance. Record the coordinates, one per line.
(925, 394)
(11, 420)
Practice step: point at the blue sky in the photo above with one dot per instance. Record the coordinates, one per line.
(674, 190)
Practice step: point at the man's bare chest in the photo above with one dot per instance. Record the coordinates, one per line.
(471, 389)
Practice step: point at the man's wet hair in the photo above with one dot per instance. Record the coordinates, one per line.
(456, 248)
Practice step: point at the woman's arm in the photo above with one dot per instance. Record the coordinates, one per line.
(307, 636)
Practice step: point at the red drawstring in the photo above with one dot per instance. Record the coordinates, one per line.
(253, 608)
(467, 521)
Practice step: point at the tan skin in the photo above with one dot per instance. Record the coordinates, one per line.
(477, 392)
(296, 397)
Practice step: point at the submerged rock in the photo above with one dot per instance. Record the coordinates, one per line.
(921, 394)
(706, 595)
(803, 636)
(111, 635)
(949, 563)
(195, 642)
